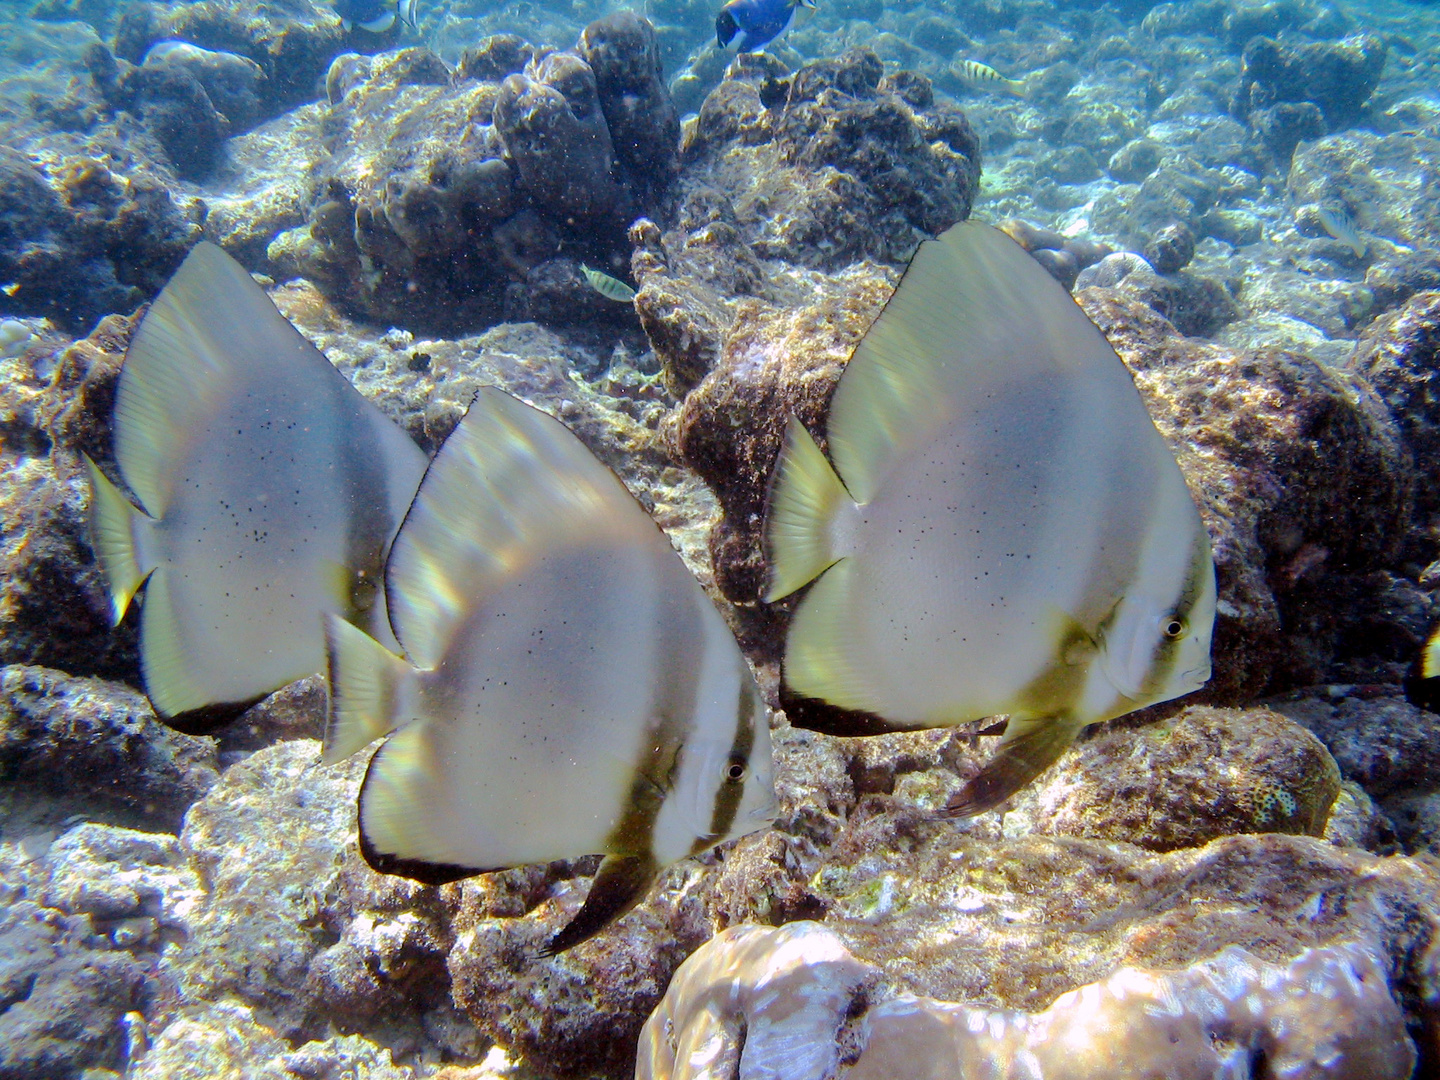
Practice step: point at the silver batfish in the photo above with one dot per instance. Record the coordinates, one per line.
(567, 686)
(268, 492)
(1007, 532)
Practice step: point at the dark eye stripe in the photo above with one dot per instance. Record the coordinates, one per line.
(729, 792)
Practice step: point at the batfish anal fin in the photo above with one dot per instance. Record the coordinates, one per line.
(365, 680)
(806, 496)
(1029, 748)
(619, 885)
(112, 533)
(427, 873)
(166, 659)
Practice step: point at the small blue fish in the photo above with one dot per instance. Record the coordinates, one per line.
(376, 16)
(750, 25)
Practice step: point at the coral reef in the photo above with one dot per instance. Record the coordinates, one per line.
(457, 205)
(851, 162)
(180, 907)
(755, 1000)
(1337, 77)
(1397, 355)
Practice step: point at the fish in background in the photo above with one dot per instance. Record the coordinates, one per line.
(376, 16)
(1336, 220)
(612, 288)
(980, 76)
(1003, 530)
(267, 492)
(567, 688)
(1422, 681)
(750, 25)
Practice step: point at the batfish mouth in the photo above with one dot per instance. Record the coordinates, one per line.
(1197, 676)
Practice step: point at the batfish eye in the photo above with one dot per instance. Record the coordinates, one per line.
(735, 771)
(1173, 628)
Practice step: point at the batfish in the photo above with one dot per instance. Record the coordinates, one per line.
(1003, 531)
(268, 491)
(567, 687)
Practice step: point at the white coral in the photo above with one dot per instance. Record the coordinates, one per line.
(759, 1003)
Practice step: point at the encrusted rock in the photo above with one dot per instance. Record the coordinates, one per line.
(1379, 739)
(1171, 249)
(1277, 777)
(644, 125)
(1339, 77)
(757, 1002)
(74, 736)
(64, 1000)
(464, 199)
(1400, 356)
(849, 162)
(775, 363)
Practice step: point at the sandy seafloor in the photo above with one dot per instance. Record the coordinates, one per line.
(1107, 85)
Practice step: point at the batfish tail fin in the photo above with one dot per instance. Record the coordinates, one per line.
(114, 519)
(619, 885)
(1028, 749)
(365, 680)
(803, 503)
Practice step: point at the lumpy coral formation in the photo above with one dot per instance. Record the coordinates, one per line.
(463, 200)
(757, 1002)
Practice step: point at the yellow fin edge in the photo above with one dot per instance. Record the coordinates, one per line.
(113, 521)
(803, 504)
(364, 679)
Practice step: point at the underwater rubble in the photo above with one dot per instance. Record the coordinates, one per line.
(1247, 880)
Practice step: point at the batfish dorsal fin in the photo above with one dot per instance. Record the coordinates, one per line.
(806, 496)
(511, 478)
(210, 328)
(973, 311)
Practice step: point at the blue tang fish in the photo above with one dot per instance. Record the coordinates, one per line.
(750, 25)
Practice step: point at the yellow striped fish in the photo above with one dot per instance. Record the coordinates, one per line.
(984, 77)
(1003, 531)
(569, 687)
(609, 287)
(1422, 681)
(268, 492)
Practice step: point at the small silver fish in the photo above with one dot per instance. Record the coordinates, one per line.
(1336, 220)
(611, 288)
(268, 490)
(567, 687)
(984, 77)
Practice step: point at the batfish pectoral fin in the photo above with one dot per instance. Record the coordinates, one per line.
(365, 680)
(113, 536)
(803, 502)
(1028, 749)
(619, 885)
